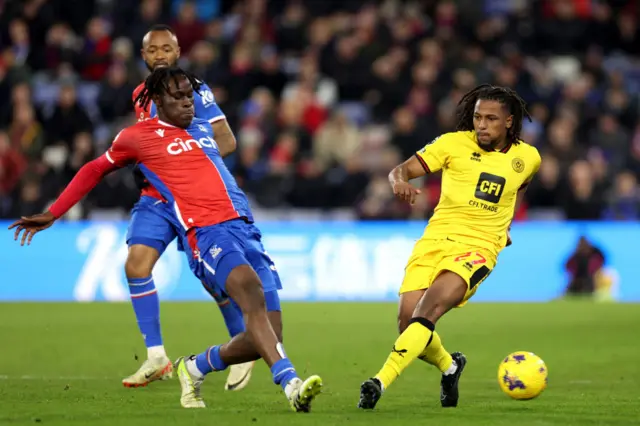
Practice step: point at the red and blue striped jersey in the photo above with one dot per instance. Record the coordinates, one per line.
(186, 168)
(204, 105)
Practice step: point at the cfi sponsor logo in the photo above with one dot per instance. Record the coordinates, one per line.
(102, 276)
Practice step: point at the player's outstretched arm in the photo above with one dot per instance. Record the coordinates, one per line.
(225, 139)
(401, 175)
(83, 182)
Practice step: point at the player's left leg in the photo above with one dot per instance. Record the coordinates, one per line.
(263, 265)
(193, 369)
(262, 340)
(228, 267)
(240, 374)
(241, 349)
(447, 291)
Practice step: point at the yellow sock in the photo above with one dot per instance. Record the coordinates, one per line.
(436, 355)
(407, 348)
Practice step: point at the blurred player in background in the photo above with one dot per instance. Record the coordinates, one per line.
(583, 267)
(154, 226)
(179, 156)
(485, 171)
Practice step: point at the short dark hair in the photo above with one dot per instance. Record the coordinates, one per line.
(157, 83)
(507, 97)
(161, 27)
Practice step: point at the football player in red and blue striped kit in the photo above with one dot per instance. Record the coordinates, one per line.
(179, 156)
(154, 225)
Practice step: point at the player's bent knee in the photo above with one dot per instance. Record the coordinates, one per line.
(140, 261)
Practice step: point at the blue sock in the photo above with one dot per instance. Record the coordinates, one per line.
(146, 306)
(283, 372)
(232, 315)
(210, 360)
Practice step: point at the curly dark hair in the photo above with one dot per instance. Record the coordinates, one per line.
(507, 97)
(157, 83)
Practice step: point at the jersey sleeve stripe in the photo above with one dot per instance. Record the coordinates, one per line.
(422, 163)
(106, 154)
(218, 118)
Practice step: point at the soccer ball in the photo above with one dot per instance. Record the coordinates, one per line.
(522, 375)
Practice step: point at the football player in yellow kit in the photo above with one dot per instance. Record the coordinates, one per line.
(485, 171)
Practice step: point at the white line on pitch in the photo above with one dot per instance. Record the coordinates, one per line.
(71, 378)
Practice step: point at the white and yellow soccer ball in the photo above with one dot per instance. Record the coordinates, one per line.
(522, 375)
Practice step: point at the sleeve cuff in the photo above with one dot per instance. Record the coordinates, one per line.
(422, 163)
(218, 118)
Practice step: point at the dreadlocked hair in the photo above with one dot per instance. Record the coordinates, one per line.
(158, 82)
(507, 97)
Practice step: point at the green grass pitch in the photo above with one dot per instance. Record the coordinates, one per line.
(61, 364)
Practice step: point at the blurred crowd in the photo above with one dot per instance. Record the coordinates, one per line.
(326, 96)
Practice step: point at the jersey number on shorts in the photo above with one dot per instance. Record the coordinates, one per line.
(472, 257)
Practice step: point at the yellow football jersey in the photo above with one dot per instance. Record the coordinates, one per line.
(479, 188)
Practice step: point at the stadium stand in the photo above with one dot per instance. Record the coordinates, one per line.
(326, 96)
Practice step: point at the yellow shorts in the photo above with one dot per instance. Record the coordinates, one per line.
(431, 257)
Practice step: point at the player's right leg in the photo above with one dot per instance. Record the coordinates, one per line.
(447, 291)
(148, 236)
(438, 277)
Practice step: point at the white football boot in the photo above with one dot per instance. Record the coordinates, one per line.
(239, 376)
(150, 371)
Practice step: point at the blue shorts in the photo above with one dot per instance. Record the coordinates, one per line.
(153, 224)
(226, 246)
